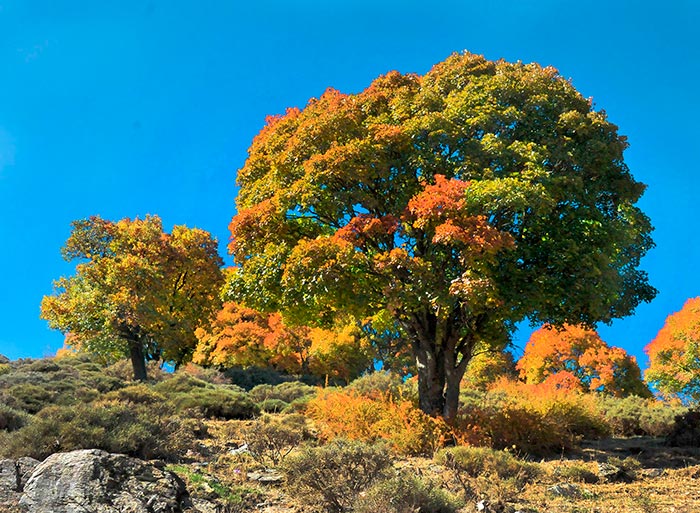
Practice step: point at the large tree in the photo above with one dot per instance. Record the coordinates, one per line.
(459, 203)
(674, 354)
(583, 355)
(138, 292)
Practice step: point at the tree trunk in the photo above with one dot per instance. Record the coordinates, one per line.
(431, 382)
(138, 360)
(454, 372)
(441, 360)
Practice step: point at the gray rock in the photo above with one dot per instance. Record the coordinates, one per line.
(4, 359)
(567, 490)
(13, 477)
(612, 473)
(94, 481)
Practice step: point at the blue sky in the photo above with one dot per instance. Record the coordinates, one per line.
(134, 107)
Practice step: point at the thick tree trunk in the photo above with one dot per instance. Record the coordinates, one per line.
(138, 360)
(454, 372)
(441, 359)
(431, 382)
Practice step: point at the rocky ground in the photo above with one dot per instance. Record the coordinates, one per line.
(609, 476)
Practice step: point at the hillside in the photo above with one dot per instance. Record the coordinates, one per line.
(256, 441)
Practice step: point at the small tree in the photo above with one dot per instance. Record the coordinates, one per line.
(577, 352)
(137, 292)
(674, 355)
(458, 203)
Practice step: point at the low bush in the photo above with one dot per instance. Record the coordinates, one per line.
(345, 414)
(377, 384)
(406, 494)
(578, 472)
(633, 416)
(273, 405)
(11, 419)
(250, 377)
(207, 374)
(271, 439)
(533, 419)
(334, 475)
(215, 403)
(483, 471)
(686, 430)
(288, 392)
(28, 397)
(145, 431)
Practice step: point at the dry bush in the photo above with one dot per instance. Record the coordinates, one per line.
(334, 475)
(345, 414)
(271, 439)
(406, 494)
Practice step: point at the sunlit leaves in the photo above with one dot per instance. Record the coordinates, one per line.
(575, 353)
(674, 355)
(472, 197)
(135, 285)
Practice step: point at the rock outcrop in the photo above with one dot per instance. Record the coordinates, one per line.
(13, 477)
(94, 481)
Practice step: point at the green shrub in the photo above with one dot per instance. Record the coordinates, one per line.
(575, 472)
(476, 461)
(179, 383)
(145, 431)
(136, 394)
(28, 397)
(288, 391)
(483, 471)
(208, 374)
(216, 403)
(270, 439)
(377, 384)
(11, 419)
(405, 494)
(334, 475)
(250, 377)
(632, 416)
(273, 405)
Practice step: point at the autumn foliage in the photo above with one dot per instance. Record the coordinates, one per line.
(577, 358)
(674, 355)
(138, 291)
(243, 337)
(457, 203)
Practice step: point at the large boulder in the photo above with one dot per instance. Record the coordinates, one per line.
(4, 359)
(94, 481)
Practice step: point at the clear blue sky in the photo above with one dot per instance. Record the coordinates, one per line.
(133, 107)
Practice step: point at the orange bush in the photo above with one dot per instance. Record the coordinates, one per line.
(346, 414)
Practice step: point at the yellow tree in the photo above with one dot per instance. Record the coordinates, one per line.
(138, 292)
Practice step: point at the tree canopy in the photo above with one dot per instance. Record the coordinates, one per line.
(674, 354)
(581, 354)
(459, 203)
(243, 337)
(137, 291)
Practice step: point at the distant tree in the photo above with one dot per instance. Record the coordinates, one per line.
(243, 337)
(487, 367)
(577, 353)
(674, 355)
(459, 202)
(138, 292)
